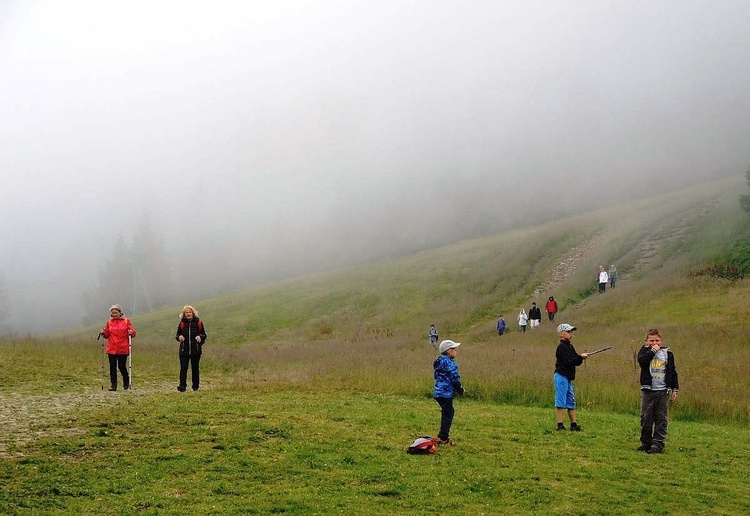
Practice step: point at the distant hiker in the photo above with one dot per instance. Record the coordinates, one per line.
(522, 320)
(566, 361)
(535, 315)
(116, 331)
(659, 385)
(501, 325)
(191, 335)
(551, 308)
(603, 278)
(447, 384)
(612, 275)
(433, 335)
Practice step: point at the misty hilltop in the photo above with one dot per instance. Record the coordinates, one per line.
(250, 142)
(661, 245)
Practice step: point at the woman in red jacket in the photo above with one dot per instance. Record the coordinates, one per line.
(117, 332)
(551, 308)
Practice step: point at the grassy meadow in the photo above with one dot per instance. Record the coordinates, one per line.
(312, 388)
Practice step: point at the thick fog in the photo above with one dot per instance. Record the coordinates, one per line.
(267, 139)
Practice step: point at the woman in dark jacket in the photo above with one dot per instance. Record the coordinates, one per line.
(191, 335)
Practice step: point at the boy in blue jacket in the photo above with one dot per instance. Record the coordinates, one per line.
(447, 383)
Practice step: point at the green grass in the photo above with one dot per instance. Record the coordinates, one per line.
(297, 451)
(313, 387)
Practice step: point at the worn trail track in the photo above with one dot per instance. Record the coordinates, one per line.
(27, 417)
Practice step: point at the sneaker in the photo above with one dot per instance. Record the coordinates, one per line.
(447, 442)
(195, 389)
(643, 447)
(561, 427)
(653, 449)
(126, 386)
(181, 389)
(113, 388)
(575, 428)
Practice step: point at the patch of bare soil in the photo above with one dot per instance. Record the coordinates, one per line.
(27, 417)
(650, 246)
(565, 268)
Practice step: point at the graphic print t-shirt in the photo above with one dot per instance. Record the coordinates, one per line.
(658, 369)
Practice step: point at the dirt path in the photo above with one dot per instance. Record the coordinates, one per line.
(647, 248)
(565, 268)
(26, 417)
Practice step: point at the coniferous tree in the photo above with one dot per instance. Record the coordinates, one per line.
(114, 285)
(745, 199)
(151, 270)
(5, 308)
(137, 277)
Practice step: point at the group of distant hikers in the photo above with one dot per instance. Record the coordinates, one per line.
(533, 318)
(603, 277)
(659, 381)
(119, 333)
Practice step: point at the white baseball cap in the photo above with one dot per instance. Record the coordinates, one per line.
(565, 327)
(447, 344)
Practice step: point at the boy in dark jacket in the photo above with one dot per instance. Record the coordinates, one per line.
(566, 361)
(659, 385)
(447, 382)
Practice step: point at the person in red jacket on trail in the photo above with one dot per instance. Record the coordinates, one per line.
(116, 331)
(551, 308)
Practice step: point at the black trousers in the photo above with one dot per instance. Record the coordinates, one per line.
(118, 362)
(446, 416)
(194, 362)
(654, 418)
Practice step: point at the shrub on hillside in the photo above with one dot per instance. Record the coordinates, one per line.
(724, 271)
(737, 264)
(739, 256)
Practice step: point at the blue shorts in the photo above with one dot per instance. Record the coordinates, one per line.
(564, 395)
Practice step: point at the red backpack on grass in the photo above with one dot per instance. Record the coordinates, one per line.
(422, 446)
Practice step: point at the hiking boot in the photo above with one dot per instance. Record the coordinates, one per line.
(643, 447)
(113, 387)
(126, 386)
(575, 428)
(561, 427)
(654, 449)
(447, 442)
(195, 389)
(181, 389)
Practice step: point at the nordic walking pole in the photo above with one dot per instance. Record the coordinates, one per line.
(130, 358)
(97, 338)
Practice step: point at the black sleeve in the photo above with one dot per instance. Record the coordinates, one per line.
(673, 381)
(645, 355)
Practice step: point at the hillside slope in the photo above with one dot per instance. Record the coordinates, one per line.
(463, 287)
(365, 328)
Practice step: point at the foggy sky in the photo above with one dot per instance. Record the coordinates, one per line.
(314, 132)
